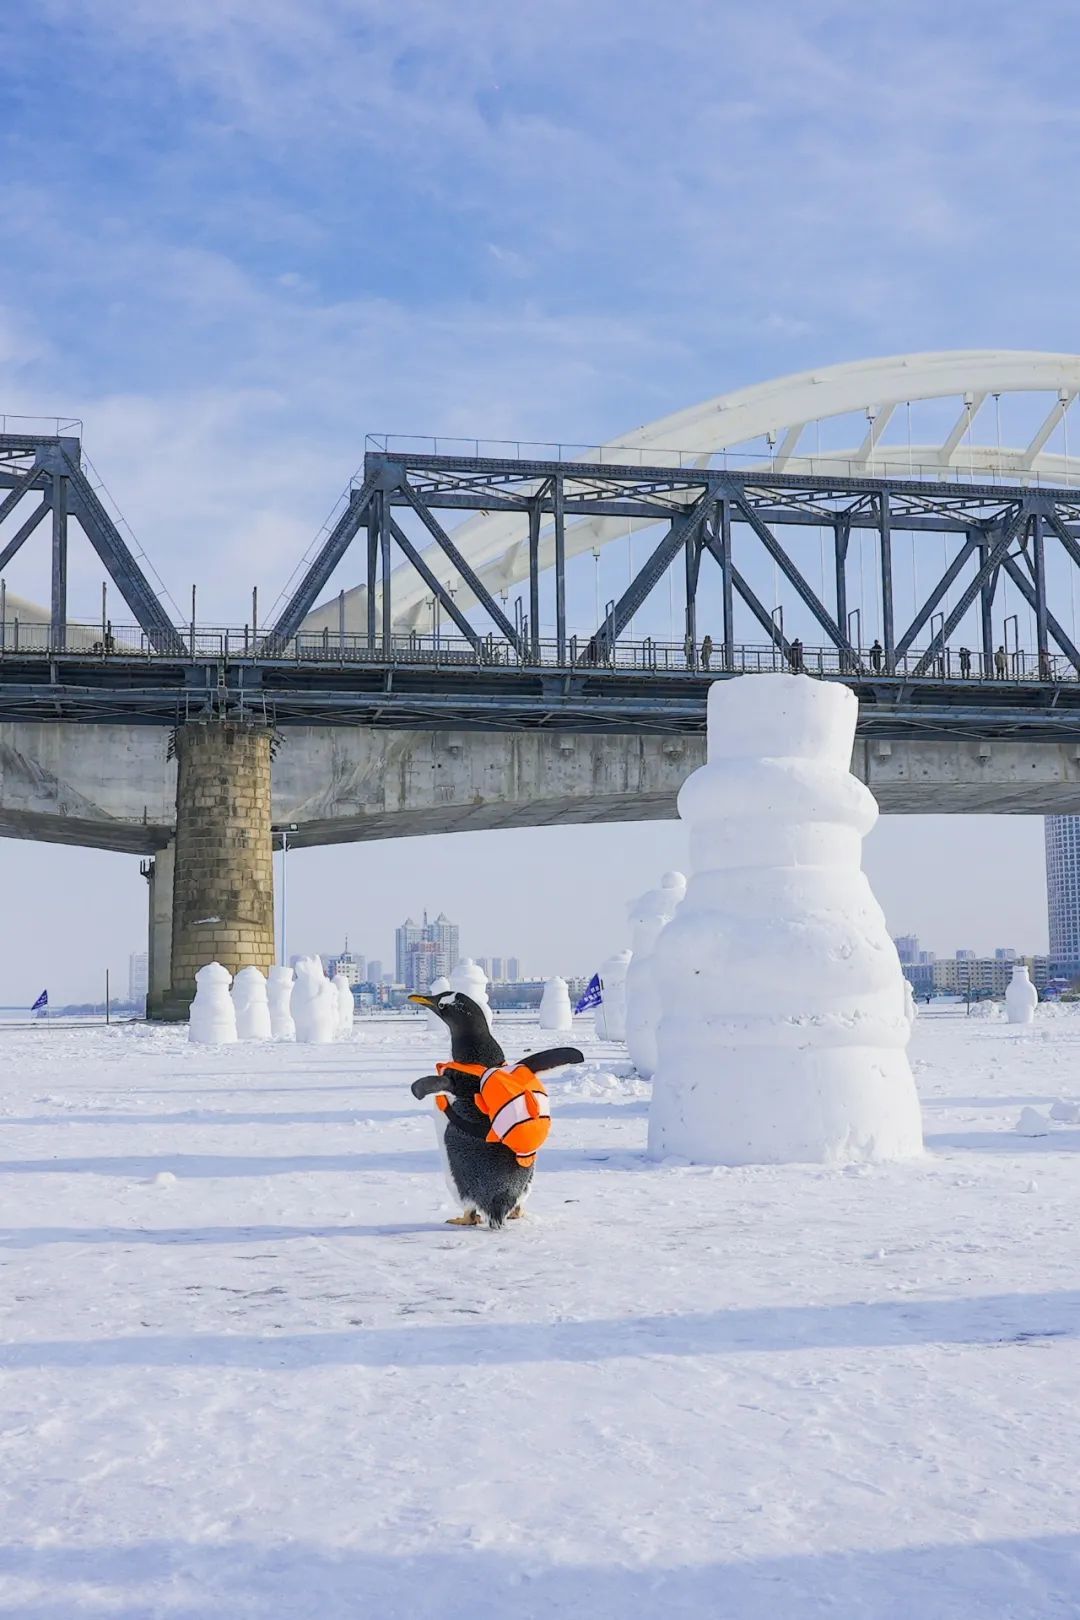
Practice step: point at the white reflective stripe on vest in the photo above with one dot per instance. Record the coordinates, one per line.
(517, 1111)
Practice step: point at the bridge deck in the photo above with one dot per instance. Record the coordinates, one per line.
(648, 688)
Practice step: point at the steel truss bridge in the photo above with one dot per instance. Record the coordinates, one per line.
(498, 672)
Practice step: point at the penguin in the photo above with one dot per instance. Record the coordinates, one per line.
(484, 1177)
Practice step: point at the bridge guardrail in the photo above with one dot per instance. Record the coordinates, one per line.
(127, 644)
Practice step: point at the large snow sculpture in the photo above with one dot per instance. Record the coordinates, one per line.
(910, 1009)
(252, 1007)
(279, 993)
(212, 1019)
(555, 1009)
(470, 980)
(1021, 996)
(782, 1037)
(649, 915)
(610, 1016)
(346, 1007)
(314, 1003)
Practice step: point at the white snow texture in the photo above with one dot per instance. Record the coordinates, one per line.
(314, 1003)
(783, 1029)
(252, 1007)
(469, 979)
(610, 1016)
(555, 1009)
(212, 1019)
(279, 993)
(345, 1004)
(649, 915)
(1021, 997)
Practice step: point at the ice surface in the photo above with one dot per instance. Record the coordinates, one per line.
(649, 915)
(783, 1032)
(247, 1373)
(555, 1009)
(249, 995)
(610, 1015)
(212, 1018)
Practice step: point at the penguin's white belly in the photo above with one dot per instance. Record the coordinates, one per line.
(440, 1136)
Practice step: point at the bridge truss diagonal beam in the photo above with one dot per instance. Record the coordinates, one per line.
(466, 572)
(995, 556)
(325, 561)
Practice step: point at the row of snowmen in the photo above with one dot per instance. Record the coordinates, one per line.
(305, 1006)
(470, 979)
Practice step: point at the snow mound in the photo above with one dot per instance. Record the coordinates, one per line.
(1066, 1112)
(1032, 1123)
(990, 1012)
(609, 1082)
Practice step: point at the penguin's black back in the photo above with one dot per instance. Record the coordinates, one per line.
(473, 1042)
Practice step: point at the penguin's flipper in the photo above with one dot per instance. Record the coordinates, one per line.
(452, 1081)
(555, 1058)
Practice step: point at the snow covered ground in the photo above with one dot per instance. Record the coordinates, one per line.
(246, 1370)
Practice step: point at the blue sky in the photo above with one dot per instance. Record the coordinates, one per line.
(241, 235)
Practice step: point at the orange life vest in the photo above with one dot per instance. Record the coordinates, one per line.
(515, 1102)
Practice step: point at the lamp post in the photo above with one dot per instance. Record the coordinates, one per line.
(287, 828)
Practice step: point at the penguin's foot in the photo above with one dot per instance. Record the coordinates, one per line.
(517, 1214)
(471, 1217)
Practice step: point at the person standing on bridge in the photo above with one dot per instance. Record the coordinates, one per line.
(965, 662)
(795, 656)
(1001, 663)
(876, 653)
(706, 653)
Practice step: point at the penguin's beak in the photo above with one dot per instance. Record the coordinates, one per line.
(423, 1001)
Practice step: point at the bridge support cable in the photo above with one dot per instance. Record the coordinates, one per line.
(1029, 592)
(323, 564)
(722, 552)
(468, 575)
(805, 590)
(602, 644)
(996, 556)
(434, 584)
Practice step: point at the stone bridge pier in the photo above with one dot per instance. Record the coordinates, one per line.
(220, 863)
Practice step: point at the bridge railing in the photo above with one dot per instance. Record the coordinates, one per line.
(127, 644)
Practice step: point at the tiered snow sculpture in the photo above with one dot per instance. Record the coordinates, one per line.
(212, 1019)
(555, 1009)
(314, 1003)
(649, 915)
(1021, 996)
(252, 1007)
(279, 992)
(610, 1016)
(471, 980)
(345, 1004)
(782, 1037)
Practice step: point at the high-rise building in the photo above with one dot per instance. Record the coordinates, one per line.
(374, 970)
(1063, 889)
(966, 956)
(513, 970)
(444, 935)
(1004, 953)
(405, 937)
(482, 964)
(907, 948)
(138, 975)
(348, 963)
(416, 967)
(498, 971)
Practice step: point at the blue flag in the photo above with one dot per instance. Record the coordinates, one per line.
(593, 996)
(41, 1003)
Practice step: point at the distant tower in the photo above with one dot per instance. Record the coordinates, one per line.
(1063, 890)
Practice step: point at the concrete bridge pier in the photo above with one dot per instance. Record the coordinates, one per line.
(222, 862)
